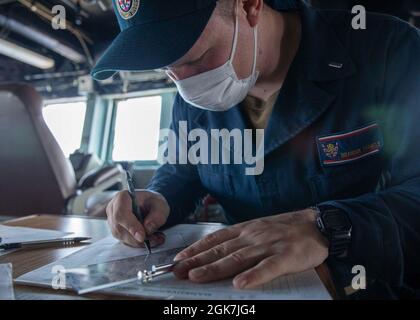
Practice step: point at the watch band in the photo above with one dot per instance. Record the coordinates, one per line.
(335, 225)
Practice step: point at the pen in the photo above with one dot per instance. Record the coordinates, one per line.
(136, 209)
(43, 243)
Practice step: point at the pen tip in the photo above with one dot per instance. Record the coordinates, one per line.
(147, 243)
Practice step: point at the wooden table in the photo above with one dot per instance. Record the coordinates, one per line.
(27, 260)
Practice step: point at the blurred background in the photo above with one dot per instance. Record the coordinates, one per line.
(91, 26)
(117, 121)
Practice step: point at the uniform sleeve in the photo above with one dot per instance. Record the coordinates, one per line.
(386, 224)
(179, 183)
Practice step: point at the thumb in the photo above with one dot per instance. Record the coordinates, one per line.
(154, 220)
(156, 212)
(155, 208)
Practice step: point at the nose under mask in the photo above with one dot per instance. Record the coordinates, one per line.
(219, 89)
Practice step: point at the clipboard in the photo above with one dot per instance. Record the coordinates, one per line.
(115, 273)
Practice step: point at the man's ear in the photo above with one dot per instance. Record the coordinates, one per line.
(253, 9)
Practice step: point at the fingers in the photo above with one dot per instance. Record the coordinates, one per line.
(121, 234)
(265, 271)
(208, 242)
(157, 210)
(154, 220)
(230, 265)
(130, 223)
(157, 239)
(125, 226)
(121, 220)
(129, 240)
(218, 252)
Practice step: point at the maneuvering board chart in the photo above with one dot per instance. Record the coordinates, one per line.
(105, 258)
(115, 273)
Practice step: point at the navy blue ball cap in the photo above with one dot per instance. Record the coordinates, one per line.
(154, 34)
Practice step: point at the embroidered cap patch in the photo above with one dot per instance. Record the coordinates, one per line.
(350, 146)
(127, 8)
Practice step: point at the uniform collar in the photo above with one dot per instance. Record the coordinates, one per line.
(324, 54)
(311, 85)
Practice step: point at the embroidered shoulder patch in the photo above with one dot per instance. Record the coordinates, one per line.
(350, 146)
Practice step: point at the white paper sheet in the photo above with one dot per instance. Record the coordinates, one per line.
(6, 282)
(302, 286)
(306, 285)
(21, 234)
(110, 249)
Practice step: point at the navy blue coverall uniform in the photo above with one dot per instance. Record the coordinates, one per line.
(345, 130)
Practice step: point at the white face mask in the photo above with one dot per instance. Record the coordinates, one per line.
(219, 89)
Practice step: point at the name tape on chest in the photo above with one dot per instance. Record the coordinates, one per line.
(350, 146)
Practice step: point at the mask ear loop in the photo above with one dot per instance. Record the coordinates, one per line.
(235, 40)
(254, 65)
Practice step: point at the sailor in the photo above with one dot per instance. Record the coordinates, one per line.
(340, 110)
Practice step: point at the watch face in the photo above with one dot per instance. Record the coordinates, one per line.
(337, 228)
(342, 235)
(336, 219)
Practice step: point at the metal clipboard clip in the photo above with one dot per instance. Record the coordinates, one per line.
(147, 276)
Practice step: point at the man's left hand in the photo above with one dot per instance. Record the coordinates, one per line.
(256, 251)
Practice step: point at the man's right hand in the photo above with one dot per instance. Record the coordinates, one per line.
(124, 224)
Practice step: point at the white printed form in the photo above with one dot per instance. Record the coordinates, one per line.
(6, 282)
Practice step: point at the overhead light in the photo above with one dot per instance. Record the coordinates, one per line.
(24, 55)
(44, 39)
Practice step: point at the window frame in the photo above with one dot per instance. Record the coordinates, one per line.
(78, 99)
(167, 96)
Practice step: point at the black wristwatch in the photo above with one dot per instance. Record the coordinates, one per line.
(336, 226)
